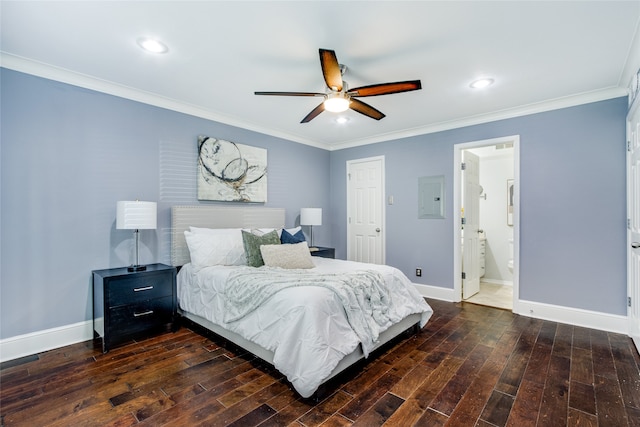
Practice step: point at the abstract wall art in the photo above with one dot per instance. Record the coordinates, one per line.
(231, 172)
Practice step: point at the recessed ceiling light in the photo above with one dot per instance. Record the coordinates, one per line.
(152, 45)
(481, 83)
(342, 120)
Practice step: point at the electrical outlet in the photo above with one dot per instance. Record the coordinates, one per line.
(418, 272)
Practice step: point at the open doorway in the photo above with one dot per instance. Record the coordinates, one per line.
(486, 222)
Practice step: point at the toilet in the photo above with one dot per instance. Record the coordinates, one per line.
(510, 262)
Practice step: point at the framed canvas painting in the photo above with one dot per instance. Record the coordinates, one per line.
(231, 172)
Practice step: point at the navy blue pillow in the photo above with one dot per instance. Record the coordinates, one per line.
(287, 237)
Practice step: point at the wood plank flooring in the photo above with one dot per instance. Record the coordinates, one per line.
(469, 366)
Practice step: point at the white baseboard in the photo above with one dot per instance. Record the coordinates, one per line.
(574, 316)
(435, 292)
(37, 342)
(498, 282)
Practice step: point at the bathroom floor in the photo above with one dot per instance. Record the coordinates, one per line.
(494, 295)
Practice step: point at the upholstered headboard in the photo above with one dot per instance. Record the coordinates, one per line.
(217, 217)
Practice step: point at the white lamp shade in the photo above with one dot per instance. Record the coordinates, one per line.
(311, 216)
(136, 215)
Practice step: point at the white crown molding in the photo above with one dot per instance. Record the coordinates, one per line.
(63, 75)
(540, 107)
(47, 71)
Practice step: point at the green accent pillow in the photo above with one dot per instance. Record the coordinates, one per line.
(252, 245)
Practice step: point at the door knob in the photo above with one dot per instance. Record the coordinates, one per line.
(635, 245)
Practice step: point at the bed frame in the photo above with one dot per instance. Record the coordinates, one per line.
(252, 217)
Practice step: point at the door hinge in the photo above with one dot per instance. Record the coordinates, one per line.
(628, 223)
(463, 166)
(628, 145)
(629, 301)
(463, 221)
(349, 176)
(464, 276)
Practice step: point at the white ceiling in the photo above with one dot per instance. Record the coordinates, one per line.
(542, 55)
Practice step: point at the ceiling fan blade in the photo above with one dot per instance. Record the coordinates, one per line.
(331, 69)
(290, 93)
(386, 88)
(366, 109)
(314, 113)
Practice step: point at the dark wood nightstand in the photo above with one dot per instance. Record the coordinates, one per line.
(129, 305)
(324, 252)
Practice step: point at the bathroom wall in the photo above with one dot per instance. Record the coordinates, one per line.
(496, 167)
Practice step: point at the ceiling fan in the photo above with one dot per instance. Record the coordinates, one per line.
(339, 97)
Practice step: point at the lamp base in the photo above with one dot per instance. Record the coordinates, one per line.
(137, 268)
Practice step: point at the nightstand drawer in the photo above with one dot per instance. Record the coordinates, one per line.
(129, 319)
(128, 289)
(324, 252)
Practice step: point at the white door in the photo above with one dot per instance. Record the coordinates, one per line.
(471, 240)
(633, 233)
(365, 210)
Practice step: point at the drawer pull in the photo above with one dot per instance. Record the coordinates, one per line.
(146, 288)
(144, 313)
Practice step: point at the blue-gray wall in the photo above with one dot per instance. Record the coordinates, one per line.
(69, 154)
(572, 204)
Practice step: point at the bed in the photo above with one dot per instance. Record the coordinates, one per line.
(308, 333)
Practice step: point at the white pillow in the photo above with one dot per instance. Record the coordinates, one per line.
(289, 256)
(201, 230)
(215, 247)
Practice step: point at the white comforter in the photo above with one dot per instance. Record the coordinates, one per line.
(305, 327)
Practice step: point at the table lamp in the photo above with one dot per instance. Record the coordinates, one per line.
(136, 215)
(311, 217)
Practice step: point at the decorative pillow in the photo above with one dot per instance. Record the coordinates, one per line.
(216, 247)
(252, 245)
(293, 231)
(287, 237)
(261, 231)
(291, 256)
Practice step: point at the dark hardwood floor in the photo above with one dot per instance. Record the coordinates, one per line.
(469, 366)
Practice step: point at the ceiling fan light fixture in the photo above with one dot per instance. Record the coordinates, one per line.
(481, 83)
(152, 45)
(337, 96)
(336, 103)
